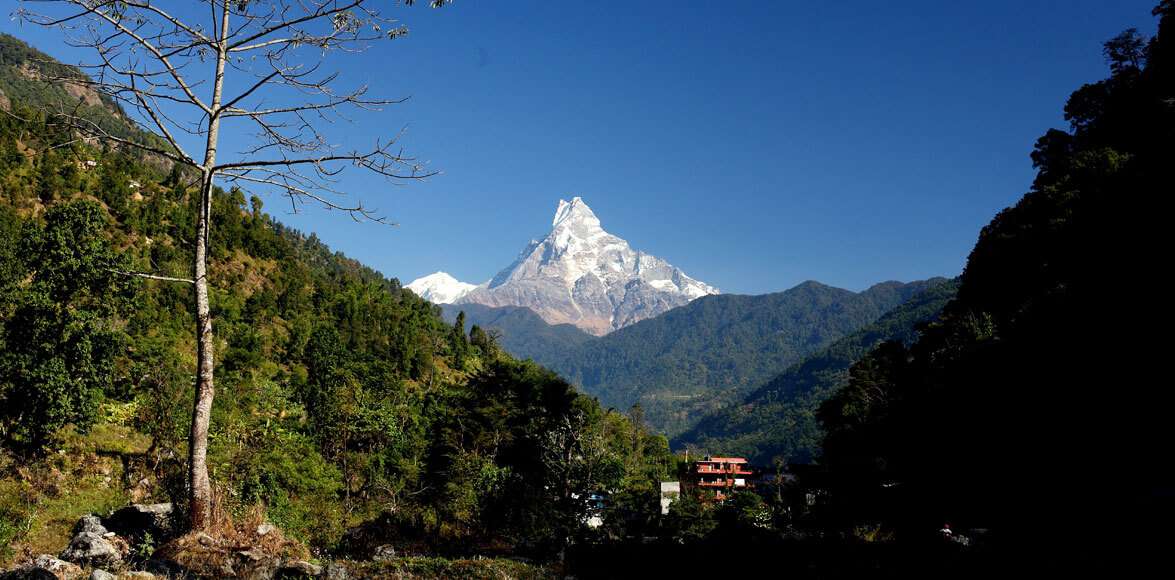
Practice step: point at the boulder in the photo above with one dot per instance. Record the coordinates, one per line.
(336, 572)
(100, 574)
(384, 553)
(138, 520)
(88, 548)
(90, 523)
(93, 545)
(298, 569)
(45, 567)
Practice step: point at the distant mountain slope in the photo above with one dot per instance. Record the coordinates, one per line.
(521, 332)
(31, 79)
(690, 360)
(778, 419)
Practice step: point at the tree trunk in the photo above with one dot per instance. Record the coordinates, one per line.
(199, 484)
(200, 487)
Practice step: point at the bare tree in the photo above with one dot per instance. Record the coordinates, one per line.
(190, 70)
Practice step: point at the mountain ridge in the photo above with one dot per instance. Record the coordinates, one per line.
(695, 359)
(582, 275)
(777, 418)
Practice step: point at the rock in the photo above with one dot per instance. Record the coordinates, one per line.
(163, 568)
(90, 523)
(384, 553)
(45, 567)
(256, 564)
(137, 576)
(89, 548)
(251, 555)
(212, 568)
(100, 574)
(298, 569)
(265, 529)
(336, 572)
(138, 520)
(93, 544)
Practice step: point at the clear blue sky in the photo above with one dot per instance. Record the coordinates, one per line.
(753, 144)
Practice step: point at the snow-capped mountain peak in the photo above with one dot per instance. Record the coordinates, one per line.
(583, 275)
(575, 212)
(440, 288)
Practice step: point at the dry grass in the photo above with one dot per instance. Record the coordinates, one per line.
(231, 545)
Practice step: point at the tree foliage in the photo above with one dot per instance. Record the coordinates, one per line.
(61, 336)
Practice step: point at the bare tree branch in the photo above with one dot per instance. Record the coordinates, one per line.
(154, 62)
(151, 276)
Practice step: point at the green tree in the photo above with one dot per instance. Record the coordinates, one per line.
(485, 344)
(458, 343)
(61, 337)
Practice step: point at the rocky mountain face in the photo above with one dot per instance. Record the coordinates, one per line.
(582, 275)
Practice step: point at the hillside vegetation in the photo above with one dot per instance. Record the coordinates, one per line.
(345, 401)
(695, 358)
(778, 419)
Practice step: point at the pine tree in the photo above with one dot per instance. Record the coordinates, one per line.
(458, 343)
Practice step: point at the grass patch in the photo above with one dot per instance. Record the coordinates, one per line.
(40, 501)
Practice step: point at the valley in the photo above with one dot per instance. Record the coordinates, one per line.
(192, 387)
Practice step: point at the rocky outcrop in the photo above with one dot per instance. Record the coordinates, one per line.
(137, 521)
(93, 545)
(384, 553)
(262, 554)
(45, 567)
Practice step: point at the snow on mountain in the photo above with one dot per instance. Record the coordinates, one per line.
(583, 275)
(440, 288)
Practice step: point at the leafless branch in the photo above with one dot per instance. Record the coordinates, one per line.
(151, 276)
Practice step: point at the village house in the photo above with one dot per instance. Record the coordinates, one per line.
(717, 477)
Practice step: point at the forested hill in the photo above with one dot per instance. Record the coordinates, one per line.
(778, 419)
(339, 393)
(35, 80)
(1034, 400)
(691, 359)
